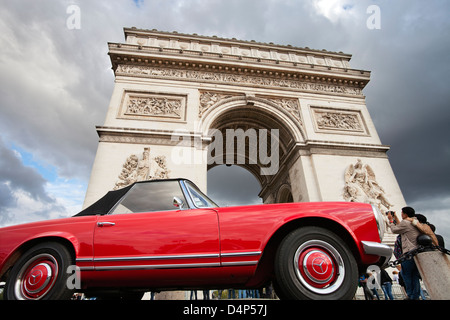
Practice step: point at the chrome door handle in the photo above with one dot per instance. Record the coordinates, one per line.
(106, 224)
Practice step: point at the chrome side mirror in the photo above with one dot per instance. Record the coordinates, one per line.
(177, 202)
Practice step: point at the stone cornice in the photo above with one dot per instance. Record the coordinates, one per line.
(148, 136)
(151, 48)
(313, 146)
(131, 34)
(339, 145)
(144, 54)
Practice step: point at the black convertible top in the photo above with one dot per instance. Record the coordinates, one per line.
(109, 200)
(104, 204)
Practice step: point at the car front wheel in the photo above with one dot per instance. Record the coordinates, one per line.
(314, 263)
(40, 273)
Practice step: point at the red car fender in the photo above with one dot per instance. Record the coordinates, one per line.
(263, 222)
(356, 235)
(21, 237)
(356, 219)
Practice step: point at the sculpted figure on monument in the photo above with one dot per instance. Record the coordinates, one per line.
(143, 168)
(361, 186)
(161, 171)
(129, 173)
(135, 169)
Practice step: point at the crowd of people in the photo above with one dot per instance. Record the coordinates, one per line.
(265, 293)
(408, 230)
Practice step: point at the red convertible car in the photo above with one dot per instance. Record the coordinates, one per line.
(166, 235)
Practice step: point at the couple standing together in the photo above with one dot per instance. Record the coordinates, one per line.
(408, 229)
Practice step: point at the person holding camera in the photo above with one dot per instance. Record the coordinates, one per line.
(421, 223)
(409, 234)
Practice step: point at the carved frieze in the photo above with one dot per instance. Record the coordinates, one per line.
(209, 99)
(331, 120)
(145, 105)
(290, 105)
(154, 106)
(335, 120)
(237, 79)
(142, 168)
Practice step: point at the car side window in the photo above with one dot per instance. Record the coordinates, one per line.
(148, 197)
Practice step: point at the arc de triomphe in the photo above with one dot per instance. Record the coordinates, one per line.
(177, 98)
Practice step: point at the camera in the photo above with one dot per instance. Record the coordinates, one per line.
(393, 216)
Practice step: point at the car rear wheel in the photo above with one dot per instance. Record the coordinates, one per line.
(40, 274)
(315, 263)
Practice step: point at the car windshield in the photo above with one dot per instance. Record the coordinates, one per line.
(148, 197)
(199, 198)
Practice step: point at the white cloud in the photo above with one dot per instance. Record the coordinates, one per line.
(67, 199)
(333, 10)
(68, 193)
(27, 195)
(28, 209)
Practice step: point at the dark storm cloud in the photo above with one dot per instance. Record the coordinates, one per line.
(21, 184)
(56, 82)
(407, 98)
(233, 185)
(14, 175)
(16, 179)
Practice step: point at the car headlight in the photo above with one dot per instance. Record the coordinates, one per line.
(380, 221)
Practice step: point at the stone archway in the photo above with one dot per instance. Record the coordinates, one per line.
(249, 120)
(233, 185)
(284, 194)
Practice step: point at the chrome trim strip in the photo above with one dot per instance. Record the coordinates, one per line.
(175, 266)
(174, 257)
(376, 248)
(187, 195)
(240, 254)
(87, 268)
(159, 266)
(240, 263)
(380, 220)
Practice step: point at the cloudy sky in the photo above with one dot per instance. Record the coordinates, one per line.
(56, 82)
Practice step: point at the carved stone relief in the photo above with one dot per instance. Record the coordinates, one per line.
(237, 79)
(340, 120)
(209, 99)
(361, 186)
(153, 106)
(143, 105)
(140, 169)
(290, 105)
